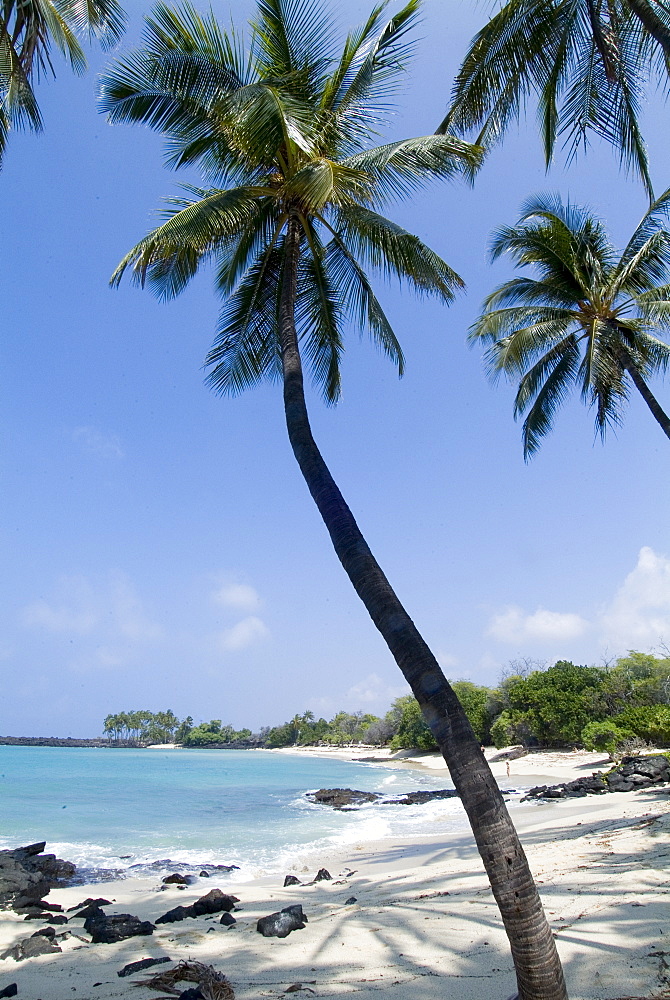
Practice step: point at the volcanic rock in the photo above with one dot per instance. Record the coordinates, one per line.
(213, 902)
(27, 875)
(632, 773)
(340, 798)
(140, 966)
(117, 927)
(31, 947)
(280, 924)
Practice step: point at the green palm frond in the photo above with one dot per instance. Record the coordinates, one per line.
(246, 348)
(587, 62)
(590, 317)
(281, 135)
(29, 29)
(398, 169)
(318, 315)
(547, 385)
(170, 255)
(360, 301)
(395, 252)
(523, 330)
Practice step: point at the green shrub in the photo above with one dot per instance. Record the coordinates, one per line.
(605, 736)
(649, 722)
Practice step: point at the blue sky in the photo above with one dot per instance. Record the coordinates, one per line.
(159, 546)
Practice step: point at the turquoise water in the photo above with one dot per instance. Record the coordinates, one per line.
(117, 809)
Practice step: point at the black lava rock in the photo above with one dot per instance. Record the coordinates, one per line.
(140, 966)
(280, 924)
(117, 927)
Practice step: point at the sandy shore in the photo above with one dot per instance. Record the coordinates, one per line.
(424, 924)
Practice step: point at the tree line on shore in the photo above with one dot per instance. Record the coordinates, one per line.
(567, 704)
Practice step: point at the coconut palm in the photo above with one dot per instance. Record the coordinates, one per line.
(590, 318)
(29, 31)
(588, 62)
(291, 222)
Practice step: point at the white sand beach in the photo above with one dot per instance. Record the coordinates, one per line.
(424, 924)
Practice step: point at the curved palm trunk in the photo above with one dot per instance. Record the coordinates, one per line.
(656, 409)
(656, 26)
(538, 968)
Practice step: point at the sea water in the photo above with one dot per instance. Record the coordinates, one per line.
(141, 812)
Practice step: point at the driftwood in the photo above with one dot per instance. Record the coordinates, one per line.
(212, 985)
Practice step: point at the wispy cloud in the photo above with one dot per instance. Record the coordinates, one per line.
(99, 443)
(245, 633)
(515, 626)
(107, 610)
(238, 597)
(74, 608)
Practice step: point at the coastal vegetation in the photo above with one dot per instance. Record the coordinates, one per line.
(565, 705)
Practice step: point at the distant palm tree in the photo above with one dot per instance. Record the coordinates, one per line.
(590, 319)
(283, 134)
(588, 62)
(29, 30)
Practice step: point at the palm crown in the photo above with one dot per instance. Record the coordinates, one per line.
(587, 61)
(29, 29)
(283, 132)
(590, 318)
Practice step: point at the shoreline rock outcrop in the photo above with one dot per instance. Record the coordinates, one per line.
(347, 799)
(27, 875)
(631, 774)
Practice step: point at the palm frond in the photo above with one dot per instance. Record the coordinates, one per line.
(318, 316)
(398, 169)
(170, 255)
(246, 348)
(360, 301)
(395, 252)
(543, 390)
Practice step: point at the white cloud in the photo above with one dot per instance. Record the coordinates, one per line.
(98, 443)
(244, 634)
(515, 626)
(373, 690)
(74, 608)
(239, 596)
(639, 614)
(109, 609)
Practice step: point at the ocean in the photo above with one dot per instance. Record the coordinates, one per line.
(144, 812)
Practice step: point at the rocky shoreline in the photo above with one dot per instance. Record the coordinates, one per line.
(633, 773)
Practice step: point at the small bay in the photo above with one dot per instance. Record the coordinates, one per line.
(126, 809)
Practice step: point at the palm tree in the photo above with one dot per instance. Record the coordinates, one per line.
(29, 29)
(588, 62)
(589, 319)
(283, 133)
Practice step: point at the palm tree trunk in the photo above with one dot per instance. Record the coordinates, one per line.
(538, 968)
(656, 26)
(656, 409)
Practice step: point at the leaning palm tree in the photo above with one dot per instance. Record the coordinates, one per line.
(588, 63)
(29, 30)
(590, 318)
(291, 222)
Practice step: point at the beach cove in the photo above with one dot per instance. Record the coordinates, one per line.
(424, 923)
